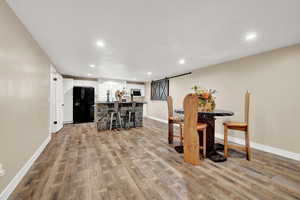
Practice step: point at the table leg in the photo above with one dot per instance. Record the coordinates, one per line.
(210, 131)
(171, 131)
(210, 138)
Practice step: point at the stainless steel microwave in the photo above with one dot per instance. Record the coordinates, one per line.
(135, 92)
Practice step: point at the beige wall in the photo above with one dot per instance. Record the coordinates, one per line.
(272, 78)
(24, 89)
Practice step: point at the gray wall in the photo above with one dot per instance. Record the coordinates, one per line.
(24, 91)
(272, 78)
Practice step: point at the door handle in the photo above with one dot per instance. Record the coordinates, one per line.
(77, 104)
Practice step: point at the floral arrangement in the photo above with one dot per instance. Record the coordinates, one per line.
(206, 98)
(119, 94)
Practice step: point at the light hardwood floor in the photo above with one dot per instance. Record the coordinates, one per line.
(81, 163)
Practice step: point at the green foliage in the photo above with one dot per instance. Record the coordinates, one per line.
(205, 96)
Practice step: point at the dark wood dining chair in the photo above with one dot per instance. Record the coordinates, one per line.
(239, 126)
(173, 120)
(191, 131)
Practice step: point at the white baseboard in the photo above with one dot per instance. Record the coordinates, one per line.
(157, 119)
(269, 149)
(160, 120)
(262, 147)
(17, 179)
(68, 122)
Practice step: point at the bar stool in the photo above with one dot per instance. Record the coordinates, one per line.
(115, 111)
(131, 114)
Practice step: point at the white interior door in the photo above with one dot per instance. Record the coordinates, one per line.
(56, 101)
(59, 100)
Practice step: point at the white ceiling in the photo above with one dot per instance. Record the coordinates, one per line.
(152, 35)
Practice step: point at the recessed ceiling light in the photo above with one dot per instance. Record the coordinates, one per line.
(250, 36)
(134, 79)
(92, 66)
(100, 43)
(89, 74)
(149, 73)
(181, 61)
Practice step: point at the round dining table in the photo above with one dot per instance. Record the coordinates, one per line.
(209, 118)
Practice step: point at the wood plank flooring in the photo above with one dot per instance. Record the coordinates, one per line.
(82, 164)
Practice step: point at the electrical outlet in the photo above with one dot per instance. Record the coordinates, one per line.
(2, 171)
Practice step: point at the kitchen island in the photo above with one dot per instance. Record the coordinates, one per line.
(104, 108)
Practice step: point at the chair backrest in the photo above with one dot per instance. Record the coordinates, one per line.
(190, 134)
(170, 106)
(247, 106)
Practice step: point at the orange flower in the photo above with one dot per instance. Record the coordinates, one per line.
(205, 95)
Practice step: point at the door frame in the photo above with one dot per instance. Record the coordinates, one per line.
(55, 111)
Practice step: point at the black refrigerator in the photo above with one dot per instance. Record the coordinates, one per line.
(83, 104)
